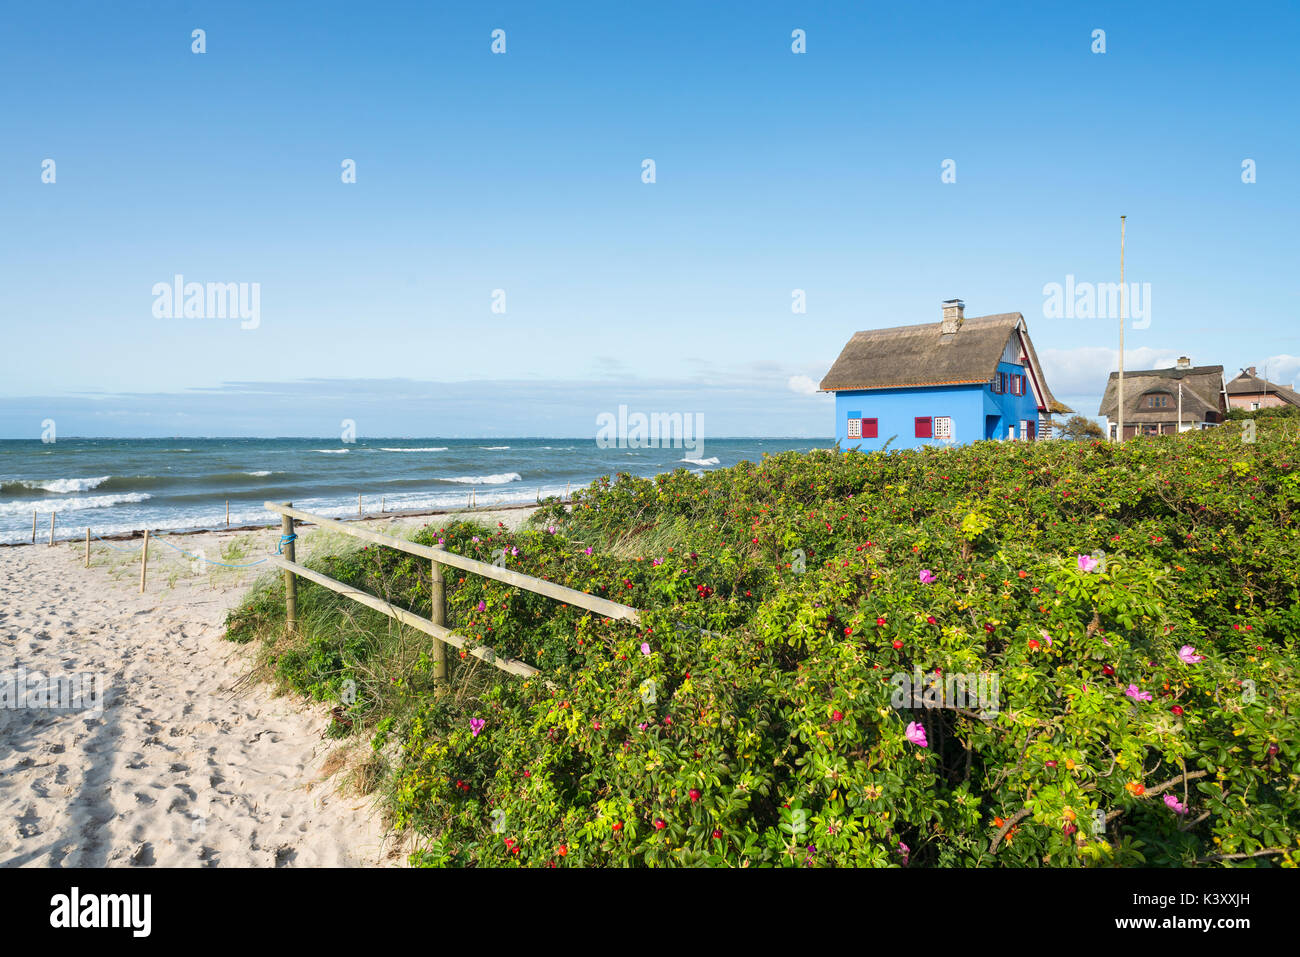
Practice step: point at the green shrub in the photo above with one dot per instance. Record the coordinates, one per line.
(1145, 708)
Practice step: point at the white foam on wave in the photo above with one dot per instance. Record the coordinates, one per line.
(332, 451)
(501, 479)
(260, 474)
(439, 448)
(73, 504)
(63, 486)
(494, 448)
(712, 460)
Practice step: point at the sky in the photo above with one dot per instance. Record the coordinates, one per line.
(500, 266)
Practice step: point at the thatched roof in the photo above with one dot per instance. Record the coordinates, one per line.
(915, 356)
(1202, 392)
(1247, 384)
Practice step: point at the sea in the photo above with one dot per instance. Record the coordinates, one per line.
(118, 486)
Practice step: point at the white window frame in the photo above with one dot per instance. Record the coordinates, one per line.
(941, 428)
(855, 428)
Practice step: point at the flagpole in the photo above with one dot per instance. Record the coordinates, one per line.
(1119, 435)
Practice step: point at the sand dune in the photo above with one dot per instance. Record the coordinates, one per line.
(187, 765)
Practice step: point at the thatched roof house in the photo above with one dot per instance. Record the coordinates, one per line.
(904, 357)
(1151, 399)
(960, 379)
(1250, 391)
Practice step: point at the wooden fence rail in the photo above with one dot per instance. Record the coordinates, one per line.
(434, 626)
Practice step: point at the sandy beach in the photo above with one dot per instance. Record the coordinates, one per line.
(186, 763)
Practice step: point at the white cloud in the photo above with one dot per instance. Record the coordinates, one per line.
(1084, 371)
(1282, 369)
(802, 384)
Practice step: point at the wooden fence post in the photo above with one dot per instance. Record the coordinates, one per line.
(87, 546)
(144, 559)
(52, 514)
(438, 615)
(227, 513)
(33, 526)
(290, 580)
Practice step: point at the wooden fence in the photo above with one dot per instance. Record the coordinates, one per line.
(434, 626)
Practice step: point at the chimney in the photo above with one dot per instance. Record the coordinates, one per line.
(1250, 371)
(1184, 363)
(953, 314)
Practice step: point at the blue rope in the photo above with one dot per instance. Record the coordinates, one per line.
(183, 552)
(208, 560)
(114, 547)
(285, 540)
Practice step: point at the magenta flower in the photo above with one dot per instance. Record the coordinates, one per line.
(657, 561)
(1137, 694)
(927, 577)
(1171, 802)
(551, 530)
(1087, 563)
(476, 725)
(1046, 637)
(587, 550)
(645, 648)
(482, 606)
(1187, 654)
(916, 734)
(905, 852)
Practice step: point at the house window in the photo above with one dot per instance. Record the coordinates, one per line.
(1024, 428)
(1157, 402)
(943, 427)
(999, 382)
(855, 428)
(1017, 385)
(924, 428)
(869, 429)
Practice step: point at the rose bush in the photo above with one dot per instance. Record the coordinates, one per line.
(1136, 604)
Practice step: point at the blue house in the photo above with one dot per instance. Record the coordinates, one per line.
(954, 381)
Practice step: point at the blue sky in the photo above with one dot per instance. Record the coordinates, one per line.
(475, 172)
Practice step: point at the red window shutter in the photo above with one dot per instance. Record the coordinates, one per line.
(923, 427)
(869, 429)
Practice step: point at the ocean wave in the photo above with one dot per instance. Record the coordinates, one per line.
(500, 479)
(441, 448)
(77, 504)
(332, 451)
(57, 486)
(494, 448)
(259, 474)
(713, 460)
